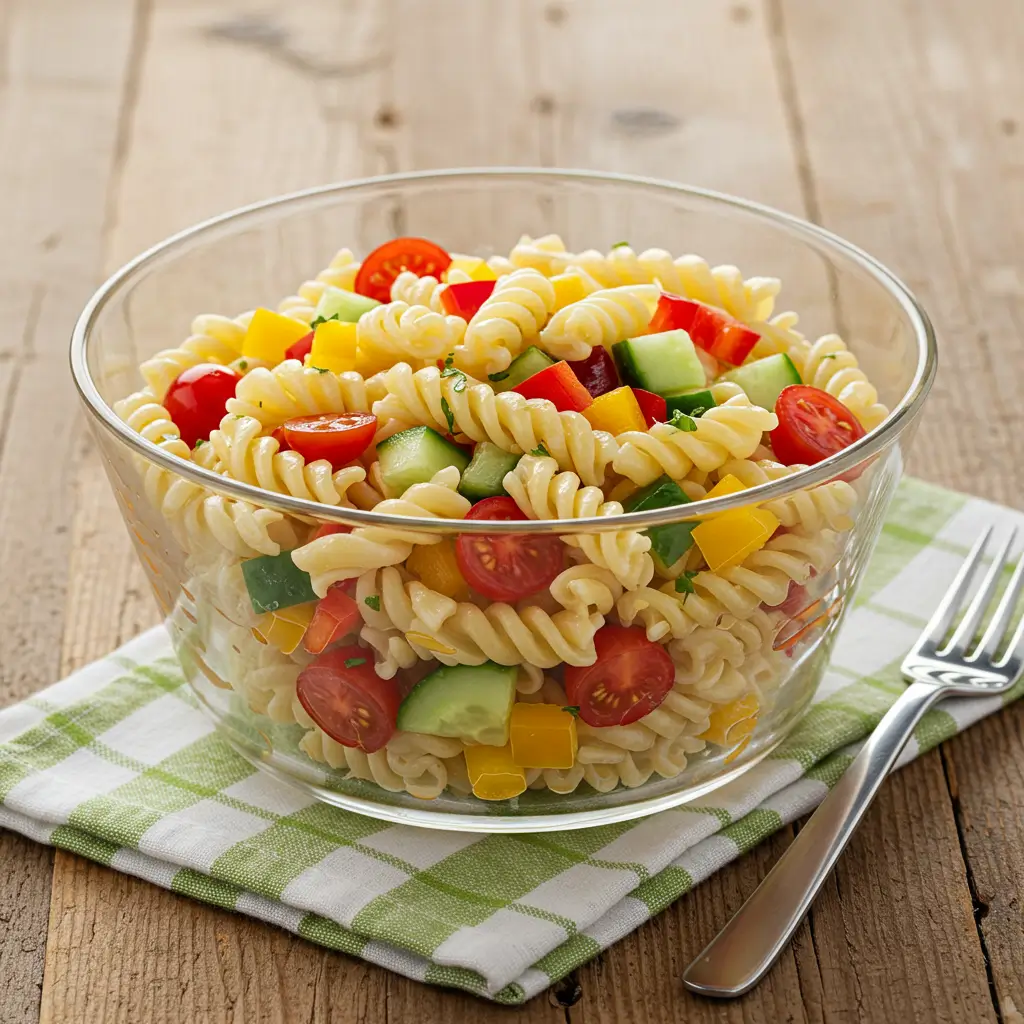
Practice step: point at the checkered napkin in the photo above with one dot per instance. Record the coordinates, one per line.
(118, 764)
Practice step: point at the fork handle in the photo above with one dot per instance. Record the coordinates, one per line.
(744, 950)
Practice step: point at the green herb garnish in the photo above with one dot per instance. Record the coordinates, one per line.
(461, 379)
(448, 417)
(354, 662)
(573, 709)
(619, 245)
(541, 450)
(199, 443)
(320, 369)
(829, 355)
(323, 319)
(681, 421)
(500, 375)
(373, 601)
(684, 585)
(242, 364)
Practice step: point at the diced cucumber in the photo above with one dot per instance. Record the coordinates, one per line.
(486, 470)
(670, 542)
(764, 379)
(413, 456)
(526, 364)
(346, 306)
(665, 363)
(469, 702)
(690, 402)
(275, 581)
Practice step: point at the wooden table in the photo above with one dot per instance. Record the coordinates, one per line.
(898, 124)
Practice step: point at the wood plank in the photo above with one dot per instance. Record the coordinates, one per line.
(924, 170)
(60, 104)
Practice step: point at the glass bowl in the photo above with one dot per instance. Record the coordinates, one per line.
(748, 655)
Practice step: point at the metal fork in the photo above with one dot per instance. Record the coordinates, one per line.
(745, 949)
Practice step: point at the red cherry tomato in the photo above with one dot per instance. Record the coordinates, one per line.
(812, 426)
(197, 398)
(338, 437)
(558, 384)
(278, 435)
(328, 530)
(507, 567)
(387, 261)
(301, 348)
(653, 406)
(343, 694)
(465, 298)
(597, 372)
(629, 679)
(336, 616)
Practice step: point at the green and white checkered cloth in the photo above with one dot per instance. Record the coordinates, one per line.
(118, 764)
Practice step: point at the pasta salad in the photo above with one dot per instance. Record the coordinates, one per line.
(547, 384)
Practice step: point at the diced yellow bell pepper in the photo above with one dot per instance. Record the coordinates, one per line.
(727, 485)
(732, 722)
(617, 411)
(334, 347)
(270, 334)
(569, 288)
(726, 539)
(475, 267)
(493, 774)
(437, 566)
(542, 736)
(285, 628)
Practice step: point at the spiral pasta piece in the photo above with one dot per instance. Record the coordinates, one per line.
(732, 429)
(339, 273)
(827, 506)
(586, 588)
(146, 416)
(509, 320)
(831, 366)
(341, 556)
(779, 334)
(291, 389)
(426, 290)
(515, 424)
(214, 339)
(602, 318)
(541, 492)
(546, 254)
(398, 331)
(246, 454)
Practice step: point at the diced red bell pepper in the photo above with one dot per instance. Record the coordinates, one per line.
(278, 435)
(653, 406)
(326, 529)
(301, 348)
(466, 297)
(597, 372)
(558, 384)
(336, 616)
(712, 329)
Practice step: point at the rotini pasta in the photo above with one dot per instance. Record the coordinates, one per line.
(415, 334)
(831, 366)
(424, 291)
(340, 273)
(602, 318)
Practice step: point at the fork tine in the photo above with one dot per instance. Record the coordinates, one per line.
(1004, 614)
(964, 634)
(953, 598)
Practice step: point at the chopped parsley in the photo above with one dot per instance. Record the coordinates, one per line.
(829, 355)
(354, 662)
(448, 417)
(242, 364)
(199, 443)
(699, 411)
(541, 450)
(684, 585)
(620, 245)
(323, 319)
(500, 375)
(681, 421)
(573, 709)
(373, 601)
(320, 369)
(461, 380)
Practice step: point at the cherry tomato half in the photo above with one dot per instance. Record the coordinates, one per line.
(338, 437)
(343, 694)
(629, 679)
(197, 398)
(507, 567)
(812, 426)
(387, 261)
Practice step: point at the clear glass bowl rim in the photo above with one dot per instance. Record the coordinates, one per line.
(905, 412)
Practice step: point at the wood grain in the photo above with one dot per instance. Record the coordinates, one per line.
(61, 98)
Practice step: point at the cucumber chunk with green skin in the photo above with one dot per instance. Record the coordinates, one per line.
(670, 542)
(413, 456)
(693, 403)
(665, 363)
(486, 471)
(336, 303)
(526, 364)
(275, 581)
(764, 380)
(468, 702)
